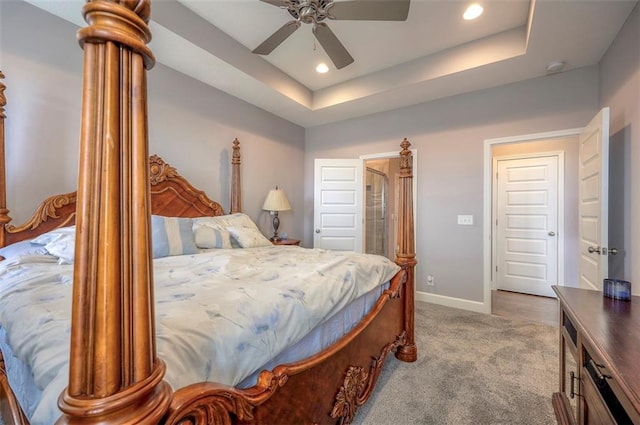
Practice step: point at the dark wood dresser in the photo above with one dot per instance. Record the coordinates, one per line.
(599, 359)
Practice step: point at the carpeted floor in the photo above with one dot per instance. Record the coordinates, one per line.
(472, 368)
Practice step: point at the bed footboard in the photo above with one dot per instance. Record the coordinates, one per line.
(327, 388)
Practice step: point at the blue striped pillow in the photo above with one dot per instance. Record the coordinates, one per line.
(172, 236)
(209, 237)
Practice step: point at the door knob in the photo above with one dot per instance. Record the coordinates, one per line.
(613, 251)
(317, 230)
(552, 233)
(593, 249)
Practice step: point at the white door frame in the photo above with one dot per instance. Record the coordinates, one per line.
(560, 212)
(488, 199)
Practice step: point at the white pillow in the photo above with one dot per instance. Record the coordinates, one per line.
(224, 221)
(54, 234)
(64, 248)
(248, 237)
(59, 242)
(22, 248)
(172, 236)
(217, 222)
(245, 233)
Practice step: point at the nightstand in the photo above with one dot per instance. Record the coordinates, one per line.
(295, 242)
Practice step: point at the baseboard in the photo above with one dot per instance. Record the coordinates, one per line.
(460, 303)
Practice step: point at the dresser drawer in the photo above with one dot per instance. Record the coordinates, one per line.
(603, 397)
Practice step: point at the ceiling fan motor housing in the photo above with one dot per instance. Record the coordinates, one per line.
(309, 11)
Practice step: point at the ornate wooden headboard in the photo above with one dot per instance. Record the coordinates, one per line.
(171, 195)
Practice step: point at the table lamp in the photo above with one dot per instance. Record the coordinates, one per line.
(276, 201)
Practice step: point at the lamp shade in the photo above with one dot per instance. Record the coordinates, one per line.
(276, 201)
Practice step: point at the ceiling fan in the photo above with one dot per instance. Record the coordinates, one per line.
(317, 11)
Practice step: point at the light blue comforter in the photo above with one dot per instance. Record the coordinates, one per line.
(221, 314)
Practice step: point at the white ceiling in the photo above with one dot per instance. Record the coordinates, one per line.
(433, 54)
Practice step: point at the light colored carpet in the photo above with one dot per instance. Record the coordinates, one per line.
(472, 368)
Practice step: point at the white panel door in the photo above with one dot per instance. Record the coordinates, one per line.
(593, 208)
(527, 225)
(337, 210)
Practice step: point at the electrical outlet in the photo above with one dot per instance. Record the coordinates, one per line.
(465, 220)
(430, 280)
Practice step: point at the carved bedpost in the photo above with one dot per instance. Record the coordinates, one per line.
(406, 256)
(4, 212)
(115, 376)
(236, 183)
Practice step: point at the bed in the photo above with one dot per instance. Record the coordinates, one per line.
(116, 330)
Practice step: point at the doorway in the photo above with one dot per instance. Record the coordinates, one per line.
(565, 140)
(389, 164)
(381, 205)
(375, 211)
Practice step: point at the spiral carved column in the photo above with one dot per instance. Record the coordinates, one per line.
(115, 376)
(406, 255)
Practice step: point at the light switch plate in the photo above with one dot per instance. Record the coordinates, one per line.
(465, 220)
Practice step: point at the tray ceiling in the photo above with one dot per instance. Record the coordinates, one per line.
(433, 54)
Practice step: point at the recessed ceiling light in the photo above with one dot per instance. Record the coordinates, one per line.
(322, 68)
(473, 11)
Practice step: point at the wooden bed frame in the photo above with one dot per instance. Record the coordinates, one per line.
(115, 375)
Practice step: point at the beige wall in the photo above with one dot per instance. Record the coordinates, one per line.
(191, 125)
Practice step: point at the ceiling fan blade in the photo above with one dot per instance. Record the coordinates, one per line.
(279, 3)
(330, 43)
(276, 38)
(370, 10)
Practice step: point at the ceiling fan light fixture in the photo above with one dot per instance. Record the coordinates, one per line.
(473, 11)
(322, 68)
